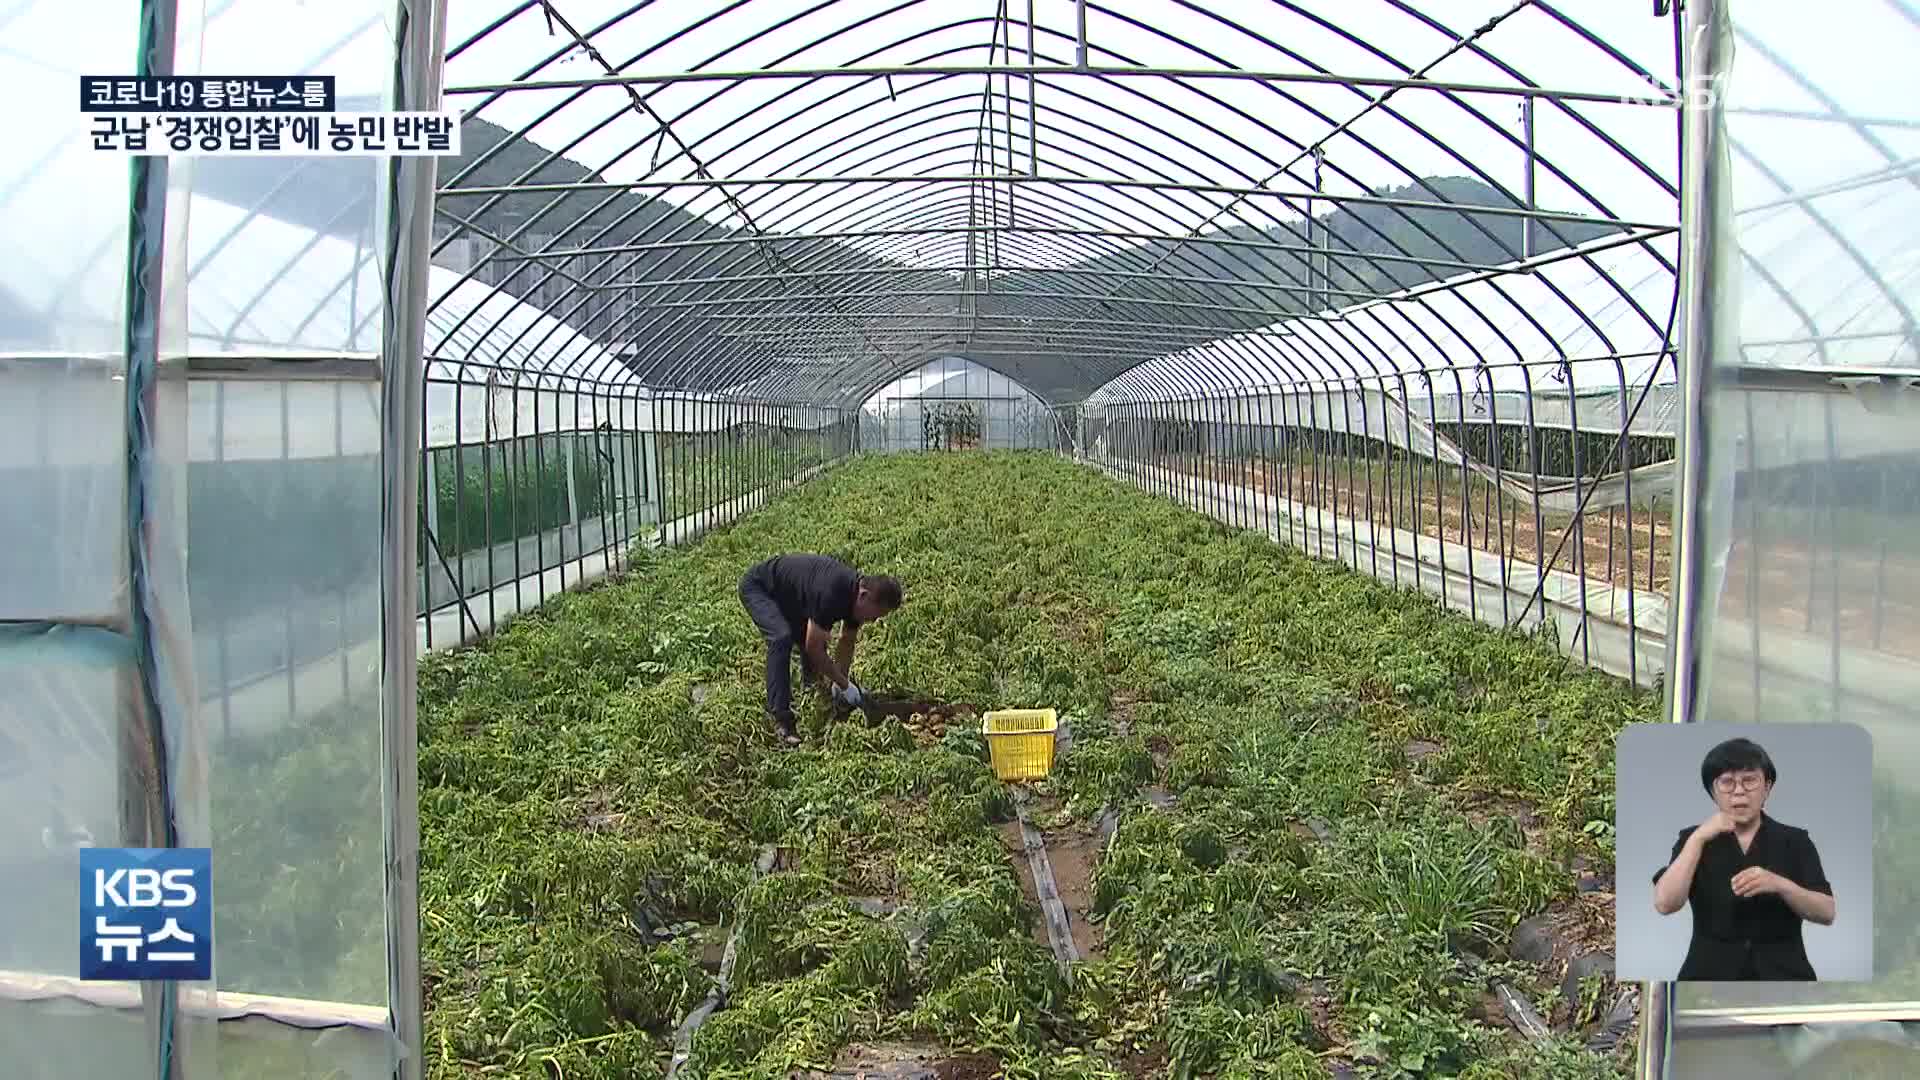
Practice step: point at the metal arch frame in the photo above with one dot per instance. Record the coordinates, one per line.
(1379, 101)
(828, 180)
(1360, 256)
(1700, 164)
(671, 283)
(1148, 301)
(1101, 227)
(638, 104)
(1358, 322)
(1241, 327)
(666, 78)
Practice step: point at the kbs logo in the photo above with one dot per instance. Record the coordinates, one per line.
(146, 913)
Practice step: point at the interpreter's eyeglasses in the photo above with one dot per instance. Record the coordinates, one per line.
(1730, 784)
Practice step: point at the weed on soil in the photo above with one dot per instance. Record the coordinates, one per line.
(1265, 881)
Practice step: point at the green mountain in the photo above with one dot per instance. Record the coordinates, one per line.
(796, 282)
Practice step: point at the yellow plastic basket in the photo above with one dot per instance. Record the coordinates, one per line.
(1020, 742)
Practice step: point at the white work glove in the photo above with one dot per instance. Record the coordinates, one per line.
(852, 695)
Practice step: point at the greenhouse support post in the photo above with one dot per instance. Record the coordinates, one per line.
(1080, 50)
(573, 492)
(1702, 65)
(1526, 225)
(1033, 116)
(146, 797)
(1698, 212)
(420, 48)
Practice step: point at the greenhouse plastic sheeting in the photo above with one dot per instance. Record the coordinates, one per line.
(1809, 546)
(256, 526)
(35, 1025)
(97, 690)
(1822, 1051)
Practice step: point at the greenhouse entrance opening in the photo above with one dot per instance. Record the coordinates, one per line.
(956, 404)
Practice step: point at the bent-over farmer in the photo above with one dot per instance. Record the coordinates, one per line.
(796, 600)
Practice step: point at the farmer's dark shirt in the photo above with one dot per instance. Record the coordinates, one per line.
(817, 588)
(1754, 937)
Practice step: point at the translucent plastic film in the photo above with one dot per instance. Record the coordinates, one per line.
(287, 640)
(284, 546)
(63, 210)
(1812, 519)
(48, 1034)
(97, 671)
(191, 565)
(955, 403)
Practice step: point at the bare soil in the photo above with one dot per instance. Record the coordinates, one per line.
(906, 708)
(1152, 1063)
(1073, 856)
(1867, 601)
(1162, 752)
(1586, 921)
(1011, 839)
(905, 1061)
(1321, 1009)
(968, 1067)
(597, 813)
(1577, 926)
(1478, 517)
(712, 950)
(926, 719)
(1072, 853)
(1484, 809)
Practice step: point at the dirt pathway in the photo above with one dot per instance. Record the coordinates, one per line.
(1072, 854)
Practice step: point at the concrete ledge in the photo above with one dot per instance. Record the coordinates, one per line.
(292, 1012)
(1758, 1019)
(97, 1029)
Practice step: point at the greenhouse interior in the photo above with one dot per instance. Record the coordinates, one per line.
(1346, 416)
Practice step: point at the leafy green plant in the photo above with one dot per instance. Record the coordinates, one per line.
(597, 782)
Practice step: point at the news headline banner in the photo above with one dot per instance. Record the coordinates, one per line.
(207, 93)
(395, 134)
(251, 116)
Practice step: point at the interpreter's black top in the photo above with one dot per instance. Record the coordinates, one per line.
(1746, 938)
(817, 588)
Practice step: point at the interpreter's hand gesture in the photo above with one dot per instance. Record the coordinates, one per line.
(1757, 881)
(1718, 822)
